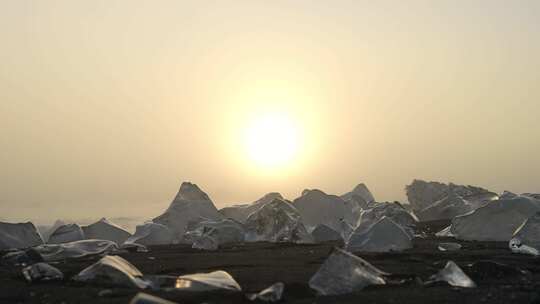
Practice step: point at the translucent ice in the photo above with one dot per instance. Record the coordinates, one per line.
(55, 252)
(270, 294)
(343, 272)
(66, 233)
(217, 280)
(21, 235)
(383, 236)
(144, 298)
(278, 221)
(454, 276)
(42, 272)
(112, 270)
(151, 234)
(526, 239)
(449, 246)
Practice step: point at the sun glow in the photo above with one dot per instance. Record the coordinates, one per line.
(272, 140)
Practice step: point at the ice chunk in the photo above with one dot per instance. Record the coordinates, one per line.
(345, 229)
(42, 272)
(112, 270)
(526, 238)
(507, 195)
(270, 294)
(210, 234)
(241, 212)
(316, 207)
(134, 247)
(217, 280)
(151, 234)
(449, 246)
(22, 257)
(447, 208)
(517, 247)
(343, 272)
(206, 242)
(454, 276)
(56, 252)
(354, 209)
(66, 233)
(446, 232)
(47, 230)
(422, 194)
(190, 203)
(21, 235)
(496, 221)
(357, 200)
(360, 193)
(323, 233)
(383, 236)
(224, 231)
(394, 211)
(106, 230)
(144, 298)
(532, 195)
(277, 221)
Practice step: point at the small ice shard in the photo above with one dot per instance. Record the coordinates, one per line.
(526, 238)
(383, 236)
(343, 272)
(66, 233)
(149, 234)
(449, 246)
(106, 293)
(114, 271)
(446, 232)
(453, 275)
(323, 233)
(20, 235)
(217, 280)
(56, 252)
(270, 294)
(144, 298)
(42, 272)
(517, 247)
(106, 230)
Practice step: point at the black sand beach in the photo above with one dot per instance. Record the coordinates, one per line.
(258, 265)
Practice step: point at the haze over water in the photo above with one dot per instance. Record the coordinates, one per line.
(107, 106)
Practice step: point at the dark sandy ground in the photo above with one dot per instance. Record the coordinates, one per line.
(258, 265)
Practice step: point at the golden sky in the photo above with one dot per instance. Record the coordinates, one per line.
(107, 106)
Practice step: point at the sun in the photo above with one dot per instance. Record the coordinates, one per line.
(272, 140)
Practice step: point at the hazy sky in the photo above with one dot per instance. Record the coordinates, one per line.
(107, 106)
